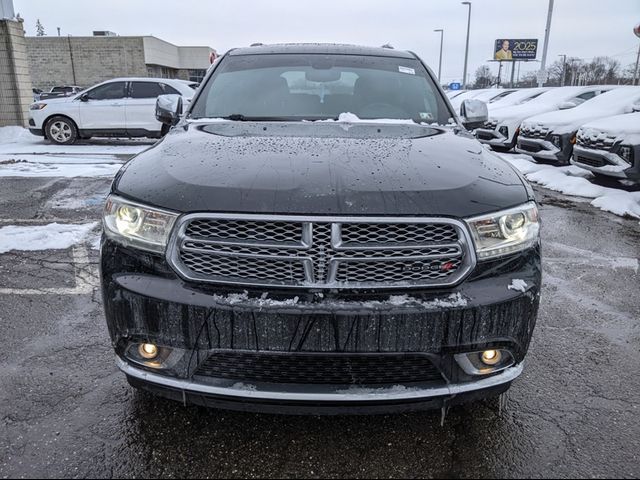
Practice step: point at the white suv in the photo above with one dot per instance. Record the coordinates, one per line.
(122, 107)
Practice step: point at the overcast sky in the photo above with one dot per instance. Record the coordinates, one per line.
(580, 28)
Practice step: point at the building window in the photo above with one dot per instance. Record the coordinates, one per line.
(196, 76)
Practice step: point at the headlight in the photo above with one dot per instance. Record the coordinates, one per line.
(505, 232)
(37, 106)
(137, 225)
(556, 140)
(626, 152)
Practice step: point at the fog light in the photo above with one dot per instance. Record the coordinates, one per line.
(148, 351)
(491, 357)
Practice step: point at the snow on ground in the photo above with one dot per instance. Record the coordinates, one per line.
(572, 180)
(38, 169)
(18, 140)
(53, 236)
(25, 155)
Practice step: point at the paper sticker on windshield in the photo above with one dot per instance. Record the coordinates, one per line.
(426, 116)
(408, 70)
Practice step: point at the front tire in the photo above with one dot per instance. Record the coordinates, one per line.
(61, 131)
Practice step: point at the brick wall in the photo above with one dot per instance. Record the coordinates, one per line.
(84, 61)
(15, 83)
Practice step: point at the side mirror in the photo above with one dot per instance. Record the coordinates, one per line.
(84, 97)
(169, 109)
(474, 113)
(566, 105)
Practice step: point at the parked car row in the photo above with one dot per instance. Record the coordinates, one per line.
(121, 107)
(594, 127)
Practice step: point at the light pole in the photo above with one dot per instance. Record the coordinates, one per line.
(547, 31)
(466, 50)
(440, 61)
(564, 66)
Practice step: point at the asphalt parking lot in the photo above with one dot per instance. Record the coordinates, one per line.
(66, 411)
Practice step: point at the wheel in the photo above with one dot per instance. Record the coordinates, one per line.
(61, 130)
(164, 130)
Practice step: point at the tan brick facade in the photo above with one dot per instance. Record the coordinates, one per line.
(15, 82)
(84, 61)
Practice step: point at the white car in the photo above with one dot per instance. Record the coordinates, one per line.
(501, 131)
(551, 136)
(610, 146)
(122, 107)
(518, 97)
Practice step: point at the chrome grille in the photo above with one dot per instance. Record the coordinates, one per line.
(320, 252)
(397, 233)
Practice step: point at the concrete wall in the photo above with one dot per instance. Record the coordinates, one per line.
(15, 83)
(159, 52)
(84, 61)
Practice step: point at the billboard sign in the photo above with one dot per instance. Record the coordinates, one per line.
(519, 49)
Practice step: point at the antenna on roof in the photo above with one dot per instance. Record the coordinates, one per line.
(388, 45)
(258, 44)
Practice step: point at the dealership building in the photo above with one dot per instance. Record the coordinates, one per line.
(85, 61)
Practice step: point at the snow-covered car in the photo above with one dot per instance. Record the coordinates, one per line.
(518, 97)
(551, 136)
(122, 107)
(502, 128)
(487, 96)
(610, 146)
(454, 93)
(456, 101)
(61, 91)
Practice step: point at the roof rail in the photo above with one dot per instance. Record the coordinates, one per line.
(257, 44)
(388, 45)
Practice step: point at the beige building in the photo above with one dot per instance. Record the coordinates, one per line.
(85, 61)
(15, 84)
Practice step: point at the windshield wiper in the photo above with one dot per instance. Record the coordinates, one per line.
(238, 117)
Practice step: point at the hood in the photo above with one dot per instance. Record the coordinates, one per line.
(569, 121)
(518, 113)
(321, 168)
(620, 128)
(615, 102)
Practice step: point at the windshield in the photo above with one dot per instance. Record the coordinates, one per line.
(315, 87)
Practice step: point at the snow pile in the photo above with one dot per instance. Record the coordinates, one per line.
(518, 285)
(23, 168)
(348, 117)
(53, 236)
(15, 135)
(572, 180)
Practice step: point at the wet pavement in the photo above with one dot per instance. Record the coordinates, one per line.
(66, 411)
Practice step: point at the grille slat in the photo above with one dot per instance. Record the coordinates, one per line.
(358, 253)
(336, 369)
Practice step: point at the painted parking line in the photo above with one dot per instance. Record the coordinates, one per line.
(85, 275)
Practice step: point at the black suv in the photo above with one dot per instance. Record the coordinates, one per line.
(319, 233)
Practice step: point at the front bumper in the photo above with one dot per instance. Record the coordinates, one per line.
(607, 163)
(146, 302)
(542, 149)
(493, 137)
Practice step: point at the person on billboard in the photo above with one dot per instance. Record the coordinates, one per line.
(504, 53)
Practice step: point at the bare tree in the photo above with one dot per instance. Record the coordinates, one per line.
(484, 77)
